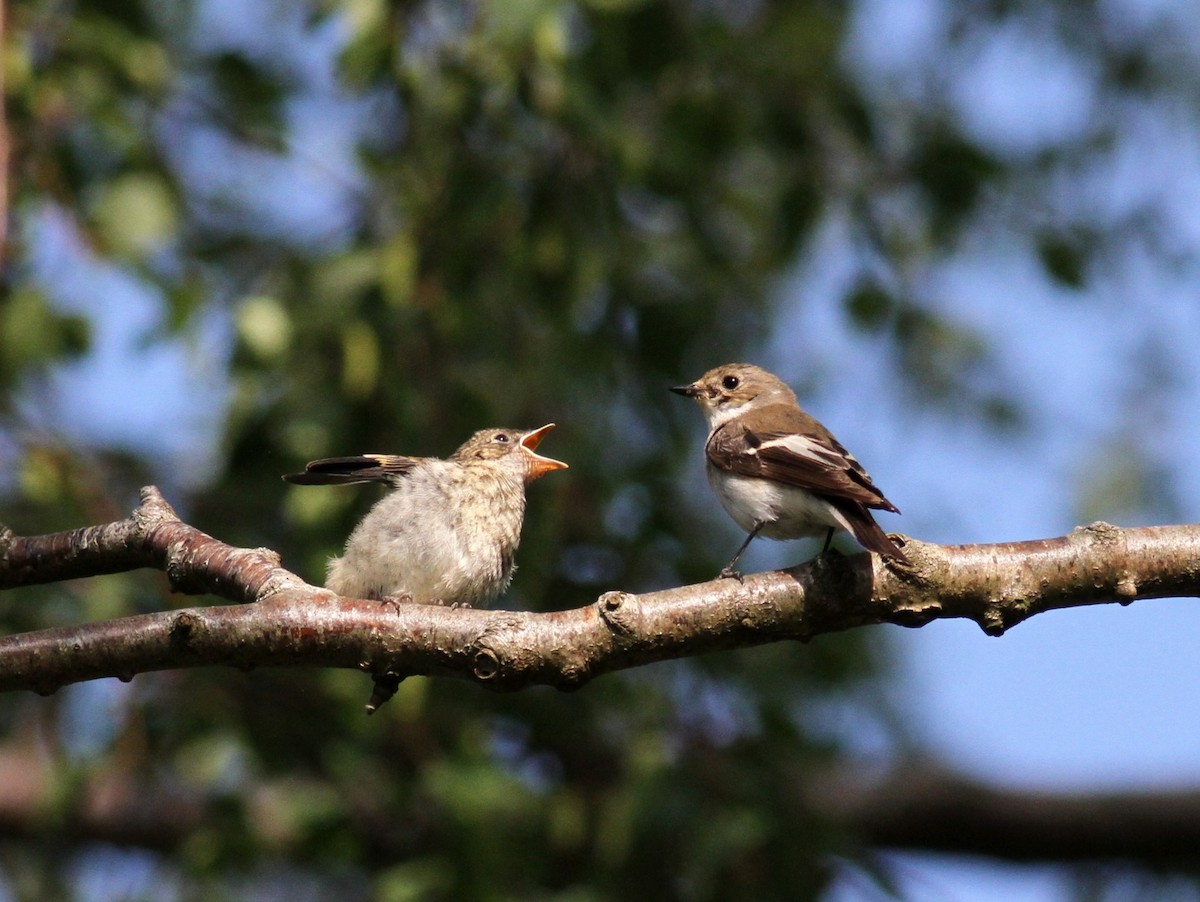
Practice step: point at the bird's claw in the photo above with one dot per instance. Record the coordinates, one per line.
(396, 600)
(730, 573)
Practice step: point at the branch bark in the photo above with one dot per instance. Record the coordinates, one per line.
(291, 623)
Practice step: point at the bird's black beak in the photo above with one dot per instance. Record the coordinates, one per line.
(688, 391)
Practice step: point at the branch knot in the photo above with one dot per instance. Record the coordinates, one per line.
(991, 621)
(620, 611)
(183, 627)
(485, 665)
(1126, 589)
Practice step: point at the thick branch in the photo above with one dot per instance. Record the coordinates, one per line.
(924, 807)
(917, 806)
(295, 624)
(153, 536)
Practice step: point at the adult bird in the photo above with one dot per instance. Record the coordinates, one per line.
(777, 471)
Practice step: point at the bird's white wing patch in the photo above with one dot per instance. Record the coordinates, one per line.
(807, 446)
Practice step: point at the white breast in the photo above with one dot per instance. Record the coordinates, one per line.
(790, 513)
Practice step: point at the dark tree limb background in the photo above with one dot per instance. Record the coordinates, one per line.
(916, 805)
(291, 623)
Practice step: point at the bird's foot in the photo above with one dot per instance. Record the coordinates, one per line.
(396, 600)
(730, 573)
(828, 558)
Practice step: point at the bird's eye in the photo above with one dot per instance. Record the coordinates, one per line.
(500, 437)
(730, 382)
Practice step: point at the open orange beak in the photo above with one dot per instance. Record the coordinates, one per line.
(537, 466)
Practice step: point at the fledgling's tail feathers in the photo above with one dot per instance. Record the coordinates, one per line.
(351, 470)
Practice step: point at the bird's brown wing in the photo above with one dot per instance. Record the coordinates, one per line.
(808, 457)
(388, 468)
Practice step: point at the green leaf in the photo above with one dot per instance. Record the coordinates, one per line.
(137, 214)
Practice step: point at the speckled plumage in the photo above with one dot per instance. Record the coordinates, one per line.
(449, 530)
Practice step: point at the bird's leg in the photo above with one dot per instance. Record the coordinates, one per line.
(728, 572)
(828, 539)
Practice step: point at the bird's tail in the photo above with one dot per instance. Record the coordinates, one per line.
(868, 533)
(350, 470)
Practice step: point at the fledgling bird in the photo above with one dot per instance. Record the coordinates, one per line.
(777, 471)
(448, 531)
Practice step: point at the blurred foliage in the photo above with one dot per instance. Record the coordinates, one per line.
(549, 210)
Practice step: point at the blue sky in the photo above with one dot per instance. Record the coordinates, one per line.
(1089, 697)
(1092, 698)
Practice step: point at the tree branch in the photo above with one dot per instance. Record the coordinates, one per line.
(294, 624)
(916, 805)
(923, 806)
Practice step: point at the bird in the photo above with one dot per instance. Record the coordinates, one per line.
(777, 471)
(447, 533)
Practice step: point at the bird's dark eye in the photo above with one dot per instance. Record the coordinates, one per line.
(500, 437)
(730, 382)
